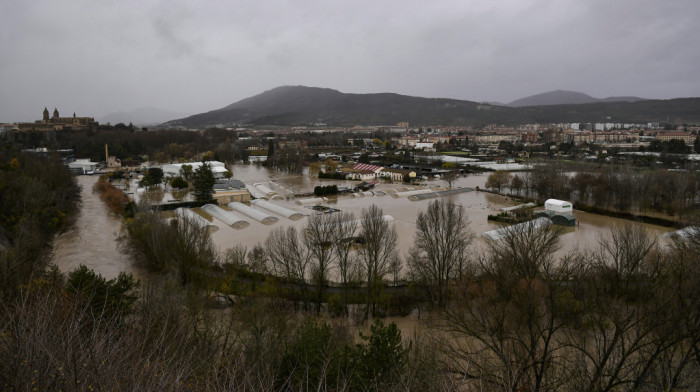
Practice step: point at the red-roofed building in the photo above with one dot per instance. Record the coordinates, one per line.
(367, 166)
(365, 171)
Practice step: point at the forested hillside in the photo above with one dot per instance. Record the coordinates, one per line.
(300, 105)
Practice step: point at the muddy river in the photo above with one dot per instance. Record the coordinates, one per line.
(93, 241)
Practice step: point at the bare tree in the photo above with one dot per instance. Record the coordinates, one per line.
(498, 179)
(550, 181)
(678, 367)
(289, 159)
(624, 251)
(440, 248)
(192, 252)
(626, 322)
(318, 237)
(377, 251)
(395, 266)
(504, 323)
(450, 177)
(344, 228)
(516, 184)
(287, 255)
(526, 251)
(236, 256)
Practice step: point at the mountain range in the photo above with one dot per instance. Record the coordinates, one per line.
(562, 97)
(300, 105)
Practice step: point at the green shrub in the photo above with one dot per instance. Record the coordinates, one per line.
(327, 190)
(179, 183)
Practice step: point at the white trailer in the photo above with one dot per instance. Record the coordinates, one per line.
(558, 206)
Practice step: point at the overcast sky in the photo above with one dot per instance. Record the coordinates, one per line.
(98, 57)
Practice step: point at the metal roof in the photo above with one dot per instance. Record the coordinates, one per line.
(366, 166)
(228, 184)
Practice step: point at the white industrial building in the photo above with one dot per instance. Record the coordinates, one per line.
(83, 166)
(173, 169)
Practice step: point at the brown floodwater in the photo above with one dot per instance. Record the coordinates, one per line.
(93, 240)
(477, 205)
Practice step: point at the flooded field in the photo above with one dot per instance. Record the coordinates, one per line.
(477, 205)
(93, 241)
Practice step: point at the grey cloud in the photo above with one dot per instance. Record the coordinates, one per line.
(102, 57)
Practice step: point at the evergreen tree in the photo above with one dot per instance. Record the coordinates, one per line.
(102, 297)
(270, 149)
(381, 357)
(203, 182)
(153, 176)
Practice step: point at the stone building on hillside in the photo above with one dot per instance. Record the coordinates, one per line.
(44, 130)
(58, 123)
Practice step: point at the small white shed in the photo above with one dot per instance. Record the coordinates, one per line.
(83, 166)
(558, 206)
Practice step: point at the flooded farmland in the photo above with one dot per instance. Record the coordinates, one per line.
(93, 241)
(477, 205)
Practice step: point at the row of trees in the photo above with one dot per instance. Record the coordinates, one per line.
(363, 253)
(202, 180)
(619, 188)
(620, 317)
(289, 159)
(326, 245)
(674, 146)
(329, 248)
(159, 145)
(524, 315)
(39, 199)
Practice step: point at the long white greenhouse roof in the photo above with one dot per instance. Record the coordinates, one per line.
(514, 229)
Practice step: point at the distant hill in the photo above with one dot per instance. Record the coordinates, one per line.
(563, 97)
(142, 116)
(300, 105)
